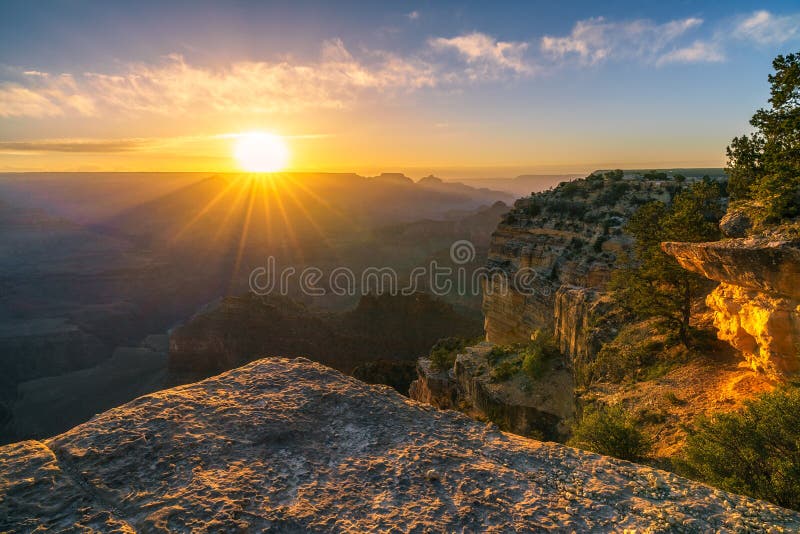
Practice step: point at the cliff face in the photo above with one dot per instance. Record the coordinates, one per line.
(292, 446)
(529, 409)
(570, 237)
(757, 303)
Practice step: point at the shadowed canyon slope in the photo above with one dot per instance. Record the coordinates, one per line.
(97, 262)
(292, 446)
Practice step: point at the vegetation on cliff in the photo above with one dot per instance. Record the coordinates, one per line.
(764, 167)
(611, 431)
(754, 451)
(653, 284)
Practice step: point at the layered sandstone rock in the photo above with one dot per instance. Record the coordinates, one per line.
(569, 239)
(292, 446)
(584, 320)
(757, 303)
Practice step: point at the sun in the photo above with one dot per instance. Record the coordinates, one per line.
(261, 152)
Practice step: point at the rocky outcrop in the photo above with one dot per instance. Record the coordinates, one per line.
(584, 320)
(761, 264)
(436, 387)
(735, 223)
(516, 405)
(568, 239)
(292, 446)
(757, 303)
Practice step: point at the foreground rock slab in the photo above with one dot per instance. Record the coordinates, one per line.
(292, 446)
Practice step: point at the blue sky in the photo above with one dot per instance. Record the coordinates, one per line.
(454, 87)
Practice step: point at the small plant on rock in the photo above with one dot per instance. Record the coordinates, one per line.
(443, 354)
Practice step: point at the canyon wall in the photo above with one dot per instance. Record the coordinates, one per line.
(756, 306)
(536, 408)
(568, 239)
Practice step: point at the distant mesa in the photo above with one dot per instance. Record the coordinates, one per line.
(431, 180)
(394, 177)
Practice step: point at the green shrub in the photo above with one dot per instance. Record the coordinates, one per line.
(443, 354)
(531, 357)
(608, 430)
(755, 451)
(533, 363)
(506, 369)
(498, 352)
(536, 354)
(624, 359)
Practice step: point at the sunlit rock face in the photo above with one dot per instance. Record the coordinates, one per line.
(293, 446)
(764, 327)
(757, 303)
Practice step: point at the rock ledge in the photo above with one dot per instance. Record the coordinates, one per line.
(292, 446)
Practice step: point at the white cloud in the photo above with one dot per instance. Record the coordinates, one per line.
(174, 86)
(487, 56)
(595, 40)
(414, 15)
(697, 52)
(765, 28)
(44, 96)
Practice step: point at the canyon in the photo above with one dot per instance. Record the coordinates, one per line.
(572, 238)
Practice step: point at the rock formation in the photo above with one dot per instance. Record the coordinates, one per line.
(536, 410)
(570, 237)
(757, 303)
(292, 446)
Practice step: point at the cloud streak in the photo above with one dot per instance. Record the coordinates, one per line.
(596, 40)
(174, 86)
(697, 52)
(89, 146)
(486, 56)
(765, 28)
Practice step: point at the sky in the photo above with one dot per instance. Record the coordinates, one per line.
(458, 89)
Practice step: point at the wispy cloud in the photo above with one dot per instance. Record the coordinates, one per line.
(595, 40)
(765, 28)
(414, 15)
(486, 55)
(697, 52)
(78, 145)
(174, 86)
(109, 146)
(44, 96)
